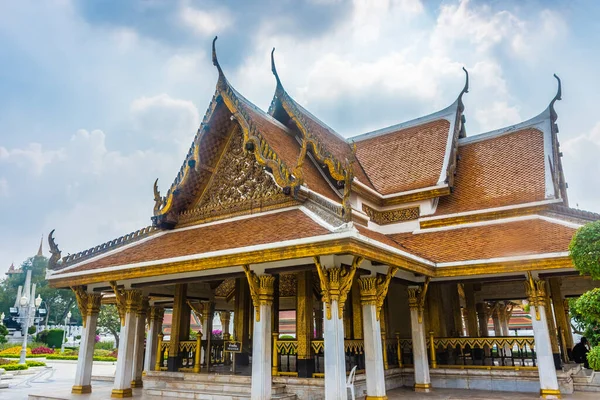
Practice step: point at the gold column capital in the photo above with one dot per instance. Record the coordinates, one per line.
(416, 298)
(224, 317)
(336, 283)
(261, 289)
(536, 292)
(88, 303)
(127, 300)
(374, 289)
(144, 307)
(156, 313)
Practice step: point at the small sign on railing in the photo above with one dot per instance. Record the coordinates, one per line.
(233, 347)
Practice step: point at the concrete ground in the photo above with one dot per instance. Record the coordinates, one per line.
(60, 386)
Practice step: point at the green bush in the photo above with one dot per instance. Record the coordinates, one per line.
(585, 249)
(14, 367)
(61, 357)
(594, 358)
(32, 363)
(105, 345)
(286, 337)
(3, 333)
(31, 330)
(54, 338)
(42, 337)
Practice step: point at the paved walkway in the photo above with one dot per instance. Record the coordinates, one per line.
(61, 384)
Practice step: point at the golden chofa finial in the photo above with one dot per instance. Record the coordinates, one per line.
(273, 68)
(558, 96)
(215, 60)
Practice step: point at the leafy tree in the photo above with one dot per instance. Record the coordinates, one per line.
(585, 314)
(3, 333)
(585, 249)
(109, 321)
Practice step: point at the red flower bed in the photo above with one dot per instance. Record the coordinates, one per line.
(42, 350)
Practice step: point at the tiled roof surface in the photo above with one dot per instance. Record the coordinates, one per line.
(270, 228)
(288, 149)
(490, 241)
(407, 159)
(500, 171)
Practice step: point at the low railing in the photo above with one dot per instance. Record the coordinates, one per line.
(474, 352)
(190, 354)
(286, 357)
(355, 355)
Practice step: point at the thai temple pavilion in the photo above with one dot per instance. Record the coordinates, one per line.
(393, 249)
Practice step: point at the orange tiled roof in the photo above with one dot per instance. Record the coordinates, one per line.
(285, 225)
(499, 171)
(508, 239)
(406, 159)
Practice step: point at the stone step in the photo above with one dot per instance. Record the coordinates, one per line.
(218, 378)
(209, 394)
(580, 387)
(581, 379)
(220, 387)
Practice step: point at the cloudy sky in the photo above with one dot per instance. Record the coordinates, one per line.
(99, 98)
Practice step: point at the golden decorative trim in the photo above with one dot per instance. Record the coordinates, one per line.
(400, 199)
(127, 300)
(121, 393)
(374, 289)
(88, 303)
(555, 393)
(336, 283)
(416, 298)
(78, 389)
(376, 398)
(422, 387)
(156, 313)
(261, 289)
(391, 216)
(536, 292)
(485, 216)
(137, 383)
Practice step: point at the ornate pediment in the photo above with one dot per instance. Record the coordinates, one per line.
(238, 185)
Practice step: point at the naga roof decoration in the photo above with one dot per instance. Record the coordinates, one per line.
(327, 146)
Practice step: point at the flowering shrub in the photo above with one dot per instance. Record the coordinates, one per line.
(13, 351)
(97, 338)
(113, 353)
(217, 334)
(42, 350)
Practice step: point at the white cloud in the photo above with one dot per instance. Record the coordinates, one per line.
(205, 23)
(498, 114)
(33, 157)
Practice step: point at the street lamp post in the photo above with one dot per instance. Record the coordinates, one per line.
(27, 306)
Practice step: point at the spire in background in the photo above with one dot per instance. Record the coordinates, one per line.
(39, 253)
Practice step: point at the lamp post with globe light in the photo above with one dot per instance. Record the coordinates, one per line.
(26, 308)
(67, 321)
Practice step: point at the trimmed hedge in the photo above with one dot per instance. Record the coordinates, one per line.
(59, 357)
(15, 367)
(54, 338)
(33, 363)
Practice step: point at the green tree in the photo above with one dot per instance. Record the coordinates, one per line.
(585, 249)
(585, 252)
(109, 321)
(3, 333)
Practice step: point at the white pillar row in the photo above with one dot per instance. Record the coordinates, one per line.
(536, 292)
(154, 328)
(374, 368)
(336, 282)
(89, 306)
(128, 302)
(416, 300)
(261, 290)
(138, 345)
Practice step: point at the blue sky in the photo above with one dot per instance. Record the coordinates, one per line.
(99, 98)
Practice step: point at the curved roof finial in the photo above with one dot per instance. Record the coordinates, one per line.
(273, 68)
(466, 88)
(214, 56)
(558, 96)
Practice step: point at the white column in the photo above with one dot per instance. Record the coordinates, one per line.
(536, 292)
(419, 341)
(261, 289)
(83, 374)
(545, 359)
(138, 348)
(154, 328)
(131, 300)
(261, 355)
(335, 356)
(373, 351)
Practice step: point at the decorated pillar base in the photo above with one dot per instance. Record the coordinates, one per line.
(376, 398)
(422, 387)
(78, 389)
(549, 394)
(306, 367)
(121, 393)
(138, 383)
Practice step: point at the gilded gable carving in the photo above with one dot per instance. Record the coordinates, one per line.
(391, 216)
(239, 183)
